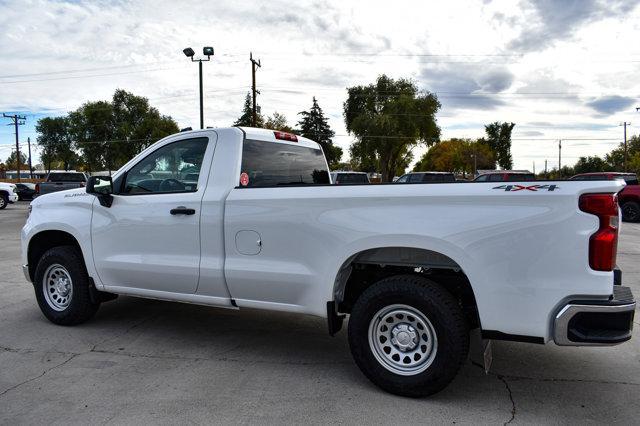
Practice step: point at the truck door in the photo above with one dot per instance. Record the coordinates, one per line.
(149, 239)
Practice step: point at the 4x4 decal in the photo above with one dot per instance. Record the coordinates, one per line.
(534, 188)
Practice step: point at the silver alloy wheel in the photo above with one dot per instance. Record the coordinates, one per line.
(57, 287)
(3, 201)
(402, 339)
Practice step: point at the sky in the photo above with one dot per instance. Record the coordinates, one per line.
(558, 69)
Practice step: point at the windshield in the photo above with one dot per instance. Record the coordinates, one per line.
(267, 164)
(66, 177)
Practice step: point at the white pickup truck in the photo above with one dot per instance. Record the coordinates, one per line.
(247, 218)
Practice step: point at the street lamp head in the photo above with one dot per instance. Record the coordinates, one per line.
(188, 52)
(207, 51)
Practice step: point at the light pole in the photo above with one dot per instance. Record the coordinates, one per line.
(208, 52)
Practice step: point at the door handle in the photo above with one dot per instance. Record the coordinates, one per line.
(182, 210)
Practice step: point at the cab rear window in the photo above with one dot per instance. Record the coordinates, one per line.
(268, 164)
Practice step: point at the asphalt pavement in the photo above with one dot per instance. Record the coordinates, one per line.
(143, 361)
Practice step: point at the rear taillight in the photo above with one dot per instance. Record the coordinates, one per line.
(37, 188)
(603, 245)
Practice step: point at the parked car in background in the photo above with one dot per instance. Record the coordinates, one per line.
(26, 191)
(426, 177)
(341, 178)
(8, 194)
(628, 198)
(59, 181)
(505, 176)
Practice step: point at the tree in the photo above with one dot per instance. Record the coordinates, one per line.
(56, 142)
(314, 125)
(615, 158)
(278, 122)
(106, 133)
(12, 164)
(246, 118)
(499, 140)
(92, 128)
(591, 164)
(457, 156)
(389, 118)
(137, 125)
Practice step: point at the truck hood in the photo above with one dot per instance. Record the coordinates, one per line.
(68, 196)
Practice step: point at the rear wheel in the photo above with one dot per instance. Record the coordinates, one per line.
(408, 335)
(61, 284)
(631, 211)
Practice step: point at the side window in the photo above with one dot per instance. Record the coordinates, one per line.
(482, 178)
(402, 179)
(173, 168)
(416, 177)
(496, 177)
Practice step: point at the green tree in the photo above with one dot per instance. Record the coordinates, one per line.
(388, 118)
(246, 118)
(56, 142)
(315, 126)
(278, 122)
(615, 158)
(457, 156)
(499, 140)
(12, 164)
(92, 128)
(110, 133)
(137, 125)
(591, 164)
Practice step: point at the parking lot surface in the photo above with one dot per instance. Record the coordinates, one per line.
(144, 361)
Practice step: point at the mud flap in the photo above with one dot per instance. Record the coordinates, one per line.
(480, 350)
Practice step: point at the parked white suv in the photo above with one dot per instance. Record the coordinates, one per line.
(8, 194)
(248, 218)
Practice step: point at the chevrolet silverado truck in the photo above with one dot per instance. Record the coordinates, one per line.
(61, 181)
(247, 218)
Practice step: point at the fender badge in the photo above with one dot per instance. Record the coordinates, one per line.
(534, 188)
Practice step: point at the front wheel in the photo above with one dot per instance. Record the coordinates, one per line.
(408, 335)
(61, 284)
(631, 211)
(4, 200)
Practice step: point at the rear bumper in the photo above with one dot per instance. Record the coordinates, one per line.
(596, 323)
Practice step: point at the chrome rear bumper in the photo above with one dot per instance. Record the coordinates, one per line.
(596, 323)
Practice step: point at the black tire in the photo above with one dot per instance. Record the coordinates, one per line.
(631, 211)
(80, 308)
(442, 311)
(4, 201)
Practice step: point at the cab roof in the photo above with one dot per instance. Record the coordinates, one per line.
(267, 135)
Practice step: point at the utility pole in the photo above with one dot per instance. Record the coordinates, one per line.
(625, 124)
(560, 157)
(545, 169)
(17, 120)
(254, 64)
(30, 168)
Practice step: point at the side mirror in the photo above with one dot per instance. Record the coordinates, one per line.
(101, 187)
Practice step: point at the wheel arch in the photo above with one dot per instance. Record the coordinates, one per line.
(368, 266)
(45, 240)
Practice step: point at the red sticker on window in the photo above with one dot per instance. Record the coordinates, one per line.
(244, 179)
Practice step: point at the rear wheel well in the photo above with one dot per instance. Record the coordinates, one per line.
(45, 240)
(371, 266)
